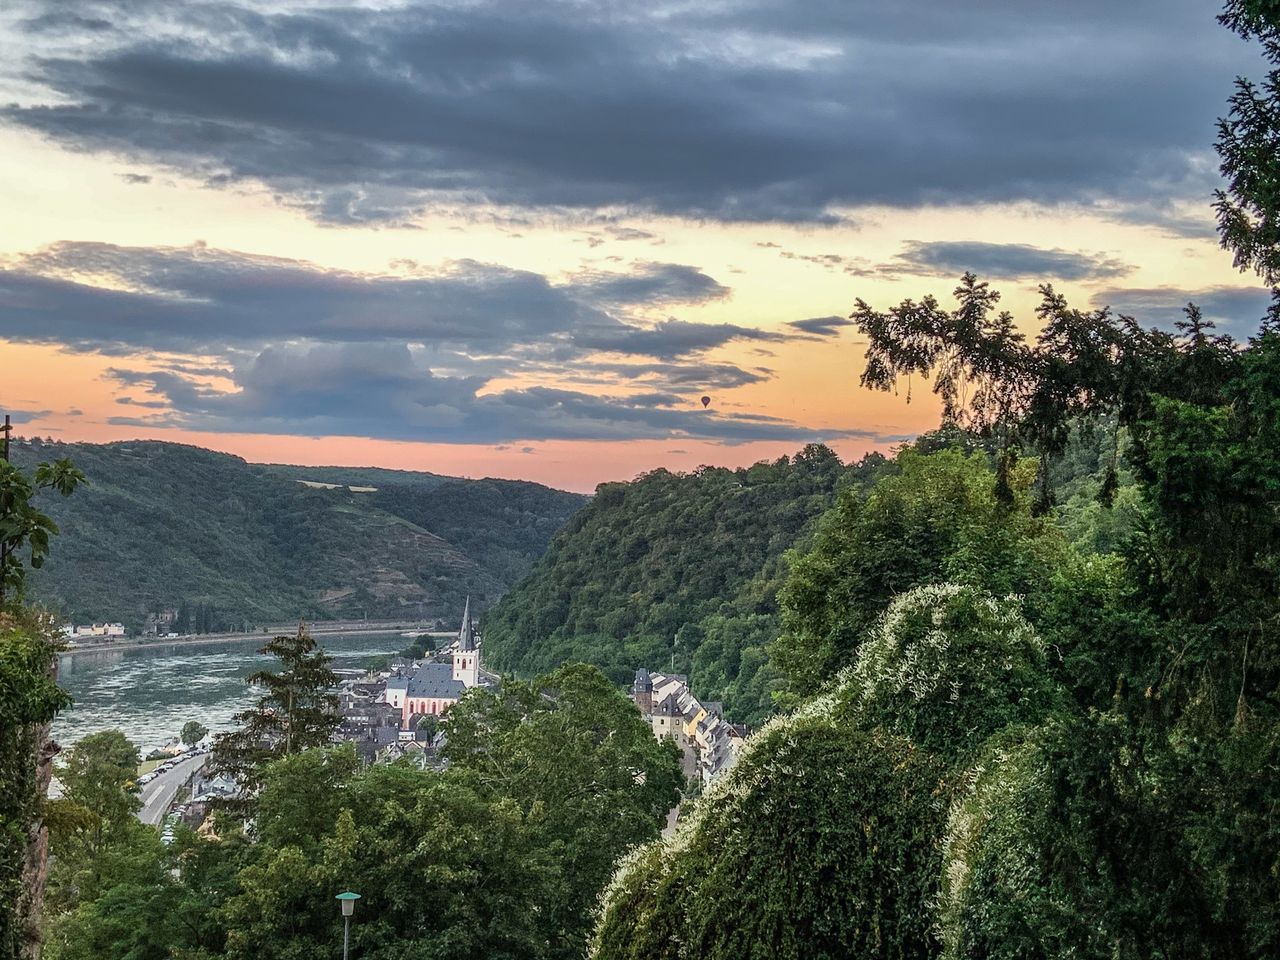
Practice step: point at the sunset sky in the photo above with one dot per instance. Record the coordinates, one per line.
(524, 239)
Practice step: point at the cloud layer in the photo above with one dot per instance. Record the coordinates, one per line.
(733, 110)
(385, 390)
(197, 299)
(256, 344)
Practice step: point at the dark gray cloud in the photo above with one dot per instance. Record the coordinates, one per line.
(676, 376)
(383, 390)
(196, 299)
(1004, 261)
(669, 338)
(18, 416)
(740, 110)
(1237, 311)
(648, 284)
(821, 326)
(1000, 261)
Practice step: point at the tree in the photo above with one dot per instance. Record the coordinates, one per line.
(29, 697)
(1249, 146)
(99, 800)
(193, 731)
(22, 526)
(821, 842)
(582, 767)
(948, 667)
(155, 901)
(937, 518)
(297, 711)
(446, 869)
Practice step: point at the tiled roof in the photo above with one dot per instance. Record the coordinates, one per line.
(435, 680)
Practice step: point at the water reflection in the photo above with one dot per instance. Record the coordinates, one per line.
(150, 692)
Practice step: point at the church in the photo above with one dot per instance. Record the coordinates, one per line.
(429, 688)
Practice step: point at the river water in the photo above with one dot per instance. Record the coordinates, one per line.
(149, 692)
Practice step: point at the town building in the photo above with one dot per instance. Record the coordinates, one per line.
(391, 714)
(100, 631)
(709, 745)
(427, 688)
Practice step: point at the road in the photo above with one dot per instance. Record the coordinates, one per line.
(157, 795)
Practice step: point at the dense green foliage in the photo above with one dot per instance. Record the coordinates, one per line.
(815, 851)
(23, 526)
(673, 568)
(193, 731)
(99, 800)
(163, 526)
(824, 841)
(949, 666)
(934, 518)
(1249, 208)
(29, 697)
(567, 748)
(502, 854)
(1071, 840)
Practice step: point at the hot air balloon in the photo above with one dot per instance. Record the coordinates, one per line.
(706, 402)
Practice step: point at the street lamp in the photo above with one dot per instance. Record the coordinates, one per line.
(348, 901)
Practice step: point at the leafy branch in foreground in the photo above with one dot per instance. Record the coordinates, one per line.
(22, 526)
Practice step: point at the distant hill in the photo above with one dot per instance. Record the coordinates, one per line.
(162, 525)
(681, 568)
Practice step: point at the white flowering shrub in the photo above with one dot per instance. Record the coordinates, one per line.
(948, 666)
(822, 842)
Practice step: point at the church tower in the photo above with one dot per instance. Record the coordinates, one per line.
(466, 653)
(642, 691)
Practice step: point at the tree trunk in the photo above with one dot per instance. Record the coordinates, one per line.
(35, 867)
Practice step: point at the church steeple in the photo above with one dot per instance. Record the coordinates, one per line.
(466, 653)
(467, 635)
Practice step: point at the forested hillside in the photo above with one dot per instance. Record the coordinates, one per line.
(164, 526)
(674, 567)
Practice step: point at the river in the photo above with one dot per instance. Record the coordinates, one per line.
(150, 691)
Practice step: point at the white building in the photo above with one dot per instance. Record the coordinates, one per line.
(105, 630)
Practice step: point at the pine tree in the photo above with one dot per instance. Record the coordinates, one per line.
(1249, 146)
(297, 711)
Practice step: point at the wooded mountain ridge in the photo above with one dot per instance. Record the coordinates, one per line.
(163, 525)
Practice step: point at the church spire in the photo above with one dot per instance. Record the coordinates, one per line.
(467, 635)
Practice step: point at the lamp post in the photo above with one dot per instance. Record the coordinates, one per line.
(348, 901)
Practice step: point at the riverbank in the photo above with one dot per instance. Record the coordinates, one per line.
(343, 629)
(148, 691)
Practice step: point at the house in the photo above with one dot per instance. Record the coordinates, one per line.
(709, 745)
